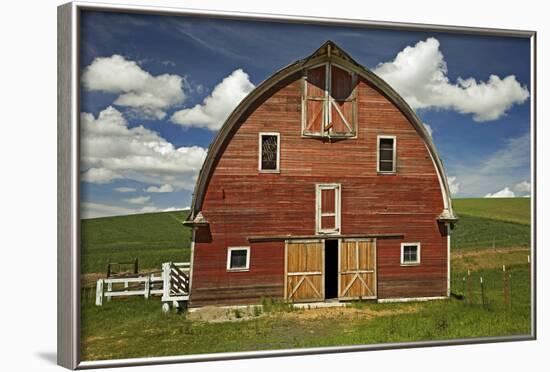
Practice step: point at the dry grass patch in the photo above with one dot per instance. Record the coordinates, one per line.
(488, 258)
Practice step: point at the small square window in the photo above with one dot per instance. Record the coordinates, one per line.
(238, 259)
(410, 253)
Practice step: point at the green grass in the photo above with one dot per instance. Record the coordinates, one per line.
(153, 238)
(488, 222)
(476, 232)
(137, 328)
(516, 210)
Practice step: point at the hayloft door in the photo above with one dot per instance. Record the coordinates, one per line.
(357, 269)
(304, 271)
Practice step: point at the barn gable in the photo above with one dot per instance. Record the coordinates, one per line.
(333, 109)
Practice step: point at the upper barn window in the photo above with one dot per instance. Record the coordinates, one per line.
(386, 154)
(329, 102)
(269, 152)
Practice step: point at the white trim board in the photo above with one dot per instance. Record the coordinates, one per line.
(337, 206)
(278, 167)
(394, 154)
(237, 269)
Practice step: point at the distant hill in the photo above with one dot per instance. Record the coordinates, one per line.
(504, 209)
(484, 222)
(152, 237)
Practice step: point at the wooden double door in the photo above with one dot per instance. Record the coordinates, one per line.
(308, 271)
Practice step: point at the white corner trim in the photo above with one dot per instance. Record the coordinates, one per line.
(411, 299)
(419, 259)
(231, 249)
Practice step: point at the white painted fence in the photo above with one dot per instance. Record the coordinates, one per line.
(173, 285)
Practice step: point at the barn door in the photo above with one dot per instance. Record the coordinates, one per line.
(357, 269)
(304, 271)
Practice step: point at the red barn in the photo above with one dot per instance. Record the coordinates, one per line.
(322, 184)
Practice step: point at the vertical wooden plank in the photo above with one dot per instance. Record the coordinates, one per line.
(323, 269)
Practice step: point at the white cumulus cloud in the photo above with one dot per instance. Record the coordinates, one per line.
(504, 193)
(138, 200)
(522, 187)
(215, 108)
(124, 189)
(147, 95)
(164, 188)
(454, 185)
(99, 175)
(110, 150)
(419, 74)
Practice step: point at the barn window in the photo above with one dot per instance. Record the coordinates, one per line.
(269, 152)
(386, 154)
(238, 258)
(328, 209)
(410, 253)
(329, 102)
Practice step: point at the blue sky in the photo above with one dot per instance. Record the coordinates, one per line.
(155, 90)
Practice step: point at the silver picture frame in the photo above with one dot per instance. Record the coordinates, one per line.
(68, 194)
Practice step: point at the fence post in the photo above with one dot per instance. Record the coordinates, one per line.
(505, 287)
(469, 297)
(166, 281)
(482, 291)
(99, 293)
(109, 289)
(510, 290)
(147, 287)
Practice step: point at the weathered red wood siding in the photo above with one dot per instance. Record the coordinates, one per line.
(241, 202)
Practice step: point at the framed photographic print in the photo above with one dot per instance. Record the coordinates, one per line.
(239, 185)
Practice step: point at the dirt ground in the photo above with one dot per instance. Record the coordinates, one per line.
(213, 314)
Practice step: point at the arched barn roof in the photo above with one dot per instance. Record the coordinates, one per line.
(329, 51)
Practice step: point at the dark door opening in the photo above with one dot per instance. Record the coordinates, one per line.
(331, 269)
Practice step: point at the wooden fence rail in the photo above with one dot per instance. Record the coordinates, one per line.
(172, 285)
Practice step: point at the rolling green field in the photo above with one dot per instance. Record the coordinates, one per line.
(484, 223)
(502, 209)
(135, 327)
(153, 238)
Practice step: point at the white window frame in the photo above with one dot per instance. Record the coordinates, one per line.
(418, 260)
(234, 269)
(329, 102)
(278, 169)
(337, 204)
(394, 157)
